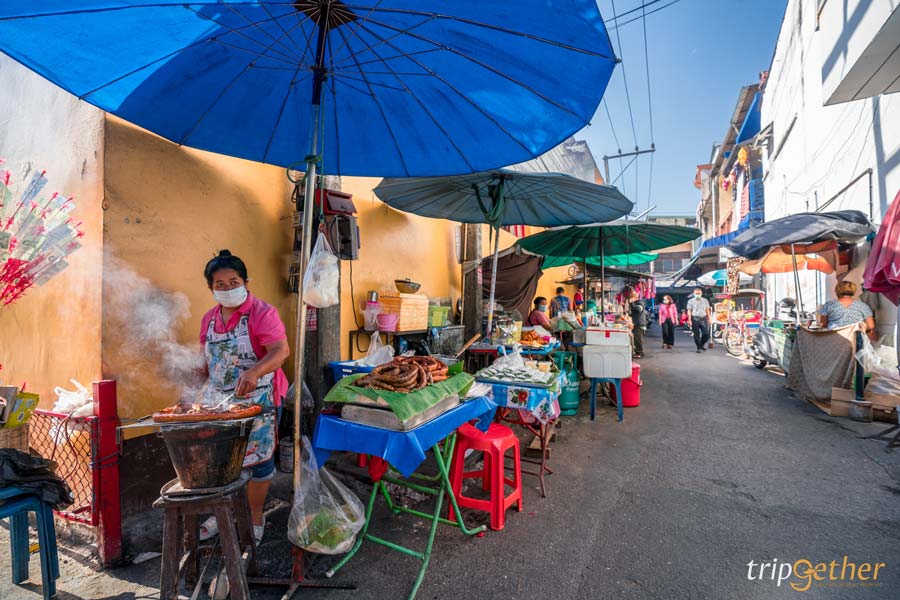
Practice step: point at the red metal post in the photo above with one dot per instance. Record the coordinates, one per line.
(107, 465)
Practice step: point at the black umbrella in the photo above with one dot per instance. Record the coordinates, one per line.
(802, 228)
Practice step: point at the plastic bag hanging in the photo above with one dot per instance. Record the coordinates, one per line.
(322, 277)
(326, 515)
(379, 353)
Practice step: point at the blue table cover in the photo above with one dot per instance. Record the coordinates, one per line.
(404, 450)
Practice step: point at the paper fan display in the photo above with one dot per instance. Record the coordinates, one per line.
(37, 235)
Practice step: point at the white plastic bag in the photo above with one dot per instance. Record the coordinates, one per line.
(323, 274)
(513, 360)
(379, 353)
(78, 403)
(326, 515)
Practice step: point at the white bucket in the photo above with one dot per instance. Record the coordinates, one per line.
(286, 455)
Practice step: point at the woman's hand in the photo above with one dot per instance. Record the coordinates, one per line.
(246, 383)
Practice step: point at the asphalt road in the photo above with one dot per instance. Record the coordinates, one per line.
(719, 466)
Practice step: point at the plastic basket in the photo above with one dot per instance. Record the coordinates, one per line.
(340, 369)
(437, 315)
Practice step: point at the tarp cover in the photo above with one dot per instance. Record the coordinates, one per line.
(802, 228)
(822, 359)
(517, 281)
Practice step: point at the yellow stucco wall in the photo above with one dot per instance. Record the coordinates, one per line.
(168, 211)
(396, 245)
(52, 333)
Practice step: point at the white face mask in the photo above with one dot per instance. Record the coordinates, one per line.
(231, 298)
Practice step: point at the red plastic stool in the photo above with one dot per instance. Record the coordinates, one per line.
(494, 444)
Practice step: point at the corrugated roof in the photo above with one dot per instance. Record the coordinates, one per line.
(572, 157)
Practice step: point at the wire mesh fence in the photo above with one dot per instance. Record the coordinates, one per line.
(71, 442)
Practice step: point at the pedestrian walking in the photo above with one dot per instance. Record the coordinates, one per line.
(640, 319)
(668, 318)
(699, 317)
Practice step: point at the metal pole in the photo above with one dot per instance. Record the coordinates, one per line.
(602, 279)
(606, 169)
(308, 205)
(490, 321)
(497, 194)
(797, 285)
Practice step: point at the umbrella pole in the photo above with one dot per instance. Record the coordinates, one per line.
(308, 204)
(497, 196)
(797, 284)
(490, 321)
(602, 280)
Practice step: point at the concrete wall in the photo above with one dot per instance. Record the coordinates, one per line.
(847, 28)
(826, 149)
(52, 333)
(168, 211)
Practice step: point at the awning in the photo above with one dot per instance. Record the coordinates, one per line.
(751, 125)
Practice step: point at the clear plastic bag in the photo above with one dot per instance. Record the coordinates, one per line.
(326, 516)
(513, 360)
(379, 353)
(322, 277)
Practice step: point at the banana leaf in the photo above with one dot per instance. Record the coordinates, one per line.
(402, 405)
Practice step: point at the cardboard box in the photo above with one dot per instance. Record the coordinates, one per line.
(884, 407)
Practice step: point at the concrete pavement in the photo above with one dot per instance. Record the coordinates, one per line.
(719, 466)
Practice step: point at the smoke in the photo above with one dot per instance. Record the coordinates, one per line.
(141, 348)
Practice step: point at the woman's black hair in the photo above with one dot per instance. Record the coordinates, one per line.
(538, 300)
(224, 260)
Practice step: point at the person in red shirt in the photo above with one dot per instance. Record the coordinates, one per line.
(245, 343)
(538, 316)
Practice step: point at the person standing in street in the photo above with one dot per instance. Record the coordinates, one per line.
(668, 318)
(640, 319)
(699, 317)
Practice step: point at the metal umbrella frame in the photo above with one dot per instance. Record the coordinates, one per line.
(600, 239)
(506, 197)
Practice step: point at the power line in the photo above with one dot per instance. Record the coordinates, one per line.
(611, 126)
(628, 12)
(649, 105)
(632, 20)
(625, 81)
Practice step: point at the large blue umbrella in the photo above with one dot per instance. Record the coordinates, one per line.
(364, 87)
(406, 87)
(506, 197)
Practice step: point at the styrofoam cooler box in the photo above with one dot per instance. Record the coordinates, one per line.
(601, 336)
(608, 361)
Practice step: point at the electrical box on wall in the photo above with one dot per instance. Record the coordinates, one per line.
(343, 235)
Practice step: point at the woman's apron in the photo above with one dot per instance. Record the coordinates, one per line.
(228, 355)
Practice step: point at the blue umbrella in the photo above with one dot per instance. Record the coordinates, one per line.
(720, 277)
(364, 87)
(506, 197)
(406, 87)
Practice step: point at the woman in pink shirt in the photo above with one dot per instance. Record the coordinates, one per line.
(668, 318)
(245, 344)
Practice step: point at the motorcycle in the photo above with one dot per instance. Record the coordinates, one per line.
(774, 342)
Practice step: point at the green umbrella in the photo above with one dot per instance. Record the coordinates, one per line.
(607, 239)
(619, 260)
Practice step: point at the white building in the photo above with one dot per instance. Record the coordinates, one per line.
(830, 126)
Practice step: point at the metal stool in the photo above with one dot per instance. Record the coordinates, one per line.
(181, 534)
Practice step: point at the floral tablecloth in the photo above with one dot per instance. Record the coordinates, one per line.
(535, 404)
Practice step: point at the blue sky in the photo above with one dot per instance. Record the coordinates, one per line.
(701, 52)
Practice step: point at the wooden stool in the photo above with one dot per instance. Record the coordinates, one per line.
(181, 534)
